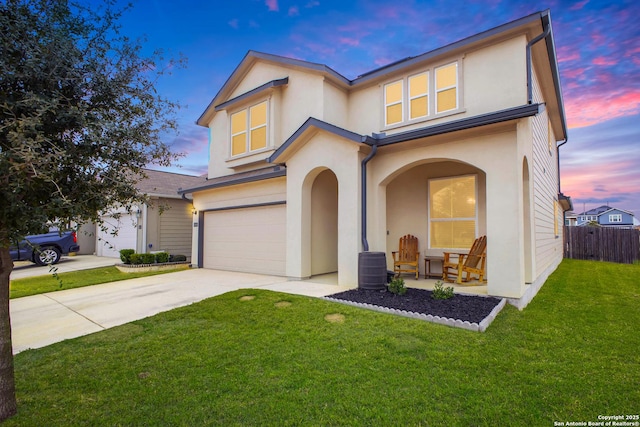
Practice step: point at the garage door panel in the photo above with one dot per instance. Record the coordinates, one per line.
(248, 240)
(107, 244)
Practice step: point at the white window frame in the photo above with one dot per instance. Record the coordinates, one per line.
(430, 220)
(410, 98)
(248, 129)
(401, 102)
(432, 95)
(615, 218)
(437, 91)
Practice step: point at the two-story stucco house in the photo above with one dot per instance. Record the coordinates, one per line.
(308, 169)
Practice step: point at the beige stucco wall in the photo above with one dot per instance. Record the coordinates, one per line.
(324, 223)
(289, 107)
(493, 78)
(319, 152)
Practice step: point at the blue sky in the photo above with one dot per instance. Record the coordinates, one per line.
(598, 46)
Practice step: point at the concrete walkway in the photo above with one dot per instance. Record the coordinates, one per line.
(44, 319)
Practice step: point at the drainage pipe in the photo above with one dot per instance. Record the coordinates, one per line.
(546, 32)
(374, 150)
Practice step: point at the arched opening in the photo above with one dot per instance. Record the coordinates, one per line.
(324, 223)
(526, 211)
(412, 197)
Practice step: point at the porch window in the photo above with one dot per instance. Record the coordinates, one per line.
(393, 103)
(452, 212)
(249, 129)
(447, 88)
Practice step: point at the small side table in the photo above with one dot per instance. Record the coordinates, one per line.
(427, 266)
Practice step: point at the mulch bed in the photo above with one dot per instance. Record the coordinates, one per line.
(461, 307)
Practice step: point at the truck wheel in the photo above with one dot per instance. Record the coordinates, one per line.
(47, 255)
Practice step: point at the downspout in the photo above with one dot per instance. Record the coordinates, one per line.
(546, 32)
(363, 172)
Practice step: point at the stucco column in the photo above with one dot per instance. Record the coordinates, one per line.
(505, 245)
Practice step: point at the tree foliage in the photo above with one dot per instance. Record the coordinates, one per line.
(79, 114)
(80, 118)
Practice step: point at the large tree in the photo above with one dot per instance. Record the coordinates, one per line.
(79, 119)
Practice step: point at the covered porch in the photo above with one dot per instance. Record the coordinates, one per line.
(409, 281)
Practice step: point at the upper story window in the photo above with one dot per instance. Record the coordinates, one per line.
(447, 88)
(615, 218)
(419, 96)
(249, 129)
(393, 102)
(410, 99)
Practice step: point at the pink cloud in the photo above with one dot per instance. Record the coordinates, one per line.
(594, 107)
(294, 11)
(349, 41)
(579, 5)
(601, 60)
(272, 5)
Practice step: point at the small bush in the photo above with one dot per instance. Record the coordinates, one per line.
(125, 255)
(135, 258)
(148, 258)
(396, 286)
(440, 292)
(162, 257)
(178, 258)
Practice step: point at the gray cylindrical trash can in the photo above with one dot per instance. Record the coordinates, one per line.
(372, 270)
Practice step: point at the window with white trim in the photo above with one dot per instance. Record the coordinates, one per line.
(419, 96)
(393, 105)
(428, 93)
(447, 88)
(453, 213)
(615, 218)
(249, 129)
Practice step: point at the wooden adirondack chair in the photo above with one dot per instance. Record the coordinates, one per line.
(407, 255)
(456, 264)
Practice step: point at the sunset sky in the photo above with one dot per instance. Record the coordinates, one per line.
(598, 47)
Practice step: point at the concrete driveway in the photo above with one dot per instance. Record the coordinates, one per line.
(22, 269)
(41, 320)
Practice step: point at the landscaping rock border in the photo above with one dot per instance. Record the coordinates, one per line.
(443, 320)
(143, 268)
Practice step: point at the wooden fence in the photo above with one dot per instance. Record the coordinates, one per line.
(602, 244)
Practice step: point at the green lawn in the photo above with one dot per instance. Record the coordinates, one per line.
(571, 355)
(73, 279)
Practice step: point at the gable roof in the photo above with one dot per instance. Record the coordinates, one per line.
(600, 210)
(531, 23)
(166, 184)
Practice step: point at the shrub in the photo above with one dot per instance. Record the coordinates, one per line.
(148, 258)
(440, 292)
(135, 258)
(396, 286)
(178, 258)
(162, 257)
(125, 255)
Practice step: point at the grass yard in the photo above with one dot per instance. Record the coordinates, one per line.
(281, 360)
(73, 279)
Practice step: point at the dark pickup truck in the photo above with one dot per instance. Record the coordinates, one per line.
(45, 249)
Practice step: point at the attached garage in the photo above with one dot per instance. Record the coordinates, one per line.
(250, 239)
(107, 244)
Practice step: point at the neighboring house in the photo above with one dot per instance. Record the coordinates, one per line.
(308, 168)
(163, 225)
(605, 216)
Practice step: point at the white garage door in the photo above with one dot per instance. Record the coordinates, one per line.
(108, 245)
(249, 240)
